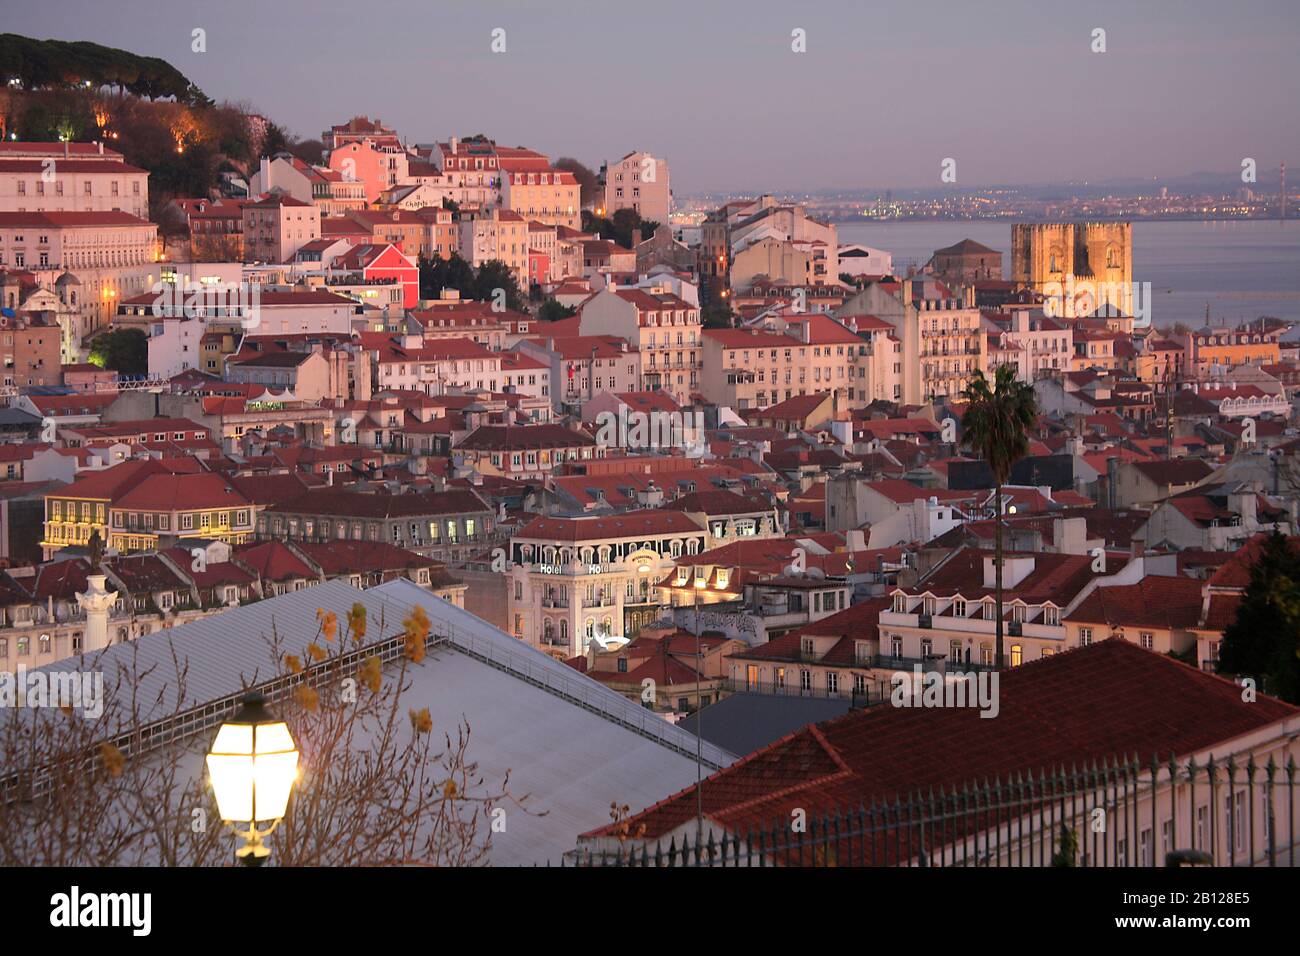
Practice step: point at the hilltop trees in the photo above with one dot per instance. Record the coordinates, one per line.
(59, 64)
(588, 188)
(620, 226)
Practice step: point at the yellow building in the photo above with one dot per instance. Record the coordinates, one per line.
(133, 504)
(1210, 351)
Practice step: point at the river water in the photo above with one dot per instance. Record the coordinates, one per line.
(1243, 269)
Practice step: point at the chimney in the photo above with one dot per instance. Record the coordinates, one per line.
(1139, 547)
(454, 143)
(1243, 503)
(651, 497)
(1069, 535)
(101, 147)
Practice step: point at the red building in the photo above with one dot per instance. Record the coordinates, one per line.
(384, 263)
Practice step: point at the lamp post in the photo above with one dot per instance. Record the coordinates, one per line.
(253, 765)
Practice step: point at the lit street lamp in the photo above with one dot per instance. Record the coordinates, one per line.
(253, 765)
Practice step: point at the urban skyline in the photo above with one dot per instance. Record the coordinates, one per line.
(502, 435)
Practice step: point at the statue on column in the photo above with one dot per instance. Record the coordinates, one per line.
(96, 600)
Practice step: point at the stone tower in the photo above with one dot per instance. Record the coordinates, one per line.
(1083, 266)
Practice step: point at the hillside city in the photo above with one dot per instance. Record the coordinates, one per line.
(681, 496)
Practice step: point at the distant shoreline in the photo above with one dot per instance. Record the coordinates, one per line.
(863, 221)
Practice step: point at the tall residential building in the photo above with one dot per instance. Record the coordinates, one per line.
(277, 227)
(939, 331)
(640, 182)
(663, 328)
(531, 187)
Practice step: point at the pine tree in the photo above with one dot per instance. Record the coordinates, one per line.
(1264, 641)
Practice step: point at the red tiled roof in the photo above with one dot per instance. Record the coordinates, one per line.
(858, 622)
(1235, 574)
(1155, 601)
(58, 220)
(1174, 471)
(349, 556)
(1055, 577)
(273, 561)
(719, 502)
(1098, 702)
(516, 437)
(164, 492)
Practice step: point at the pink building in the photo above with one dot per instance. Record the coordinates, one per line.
(377, 167)
(277, 227)
(384, 264)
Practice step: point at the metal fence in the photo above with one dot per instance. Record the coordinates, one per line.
(1115, 813)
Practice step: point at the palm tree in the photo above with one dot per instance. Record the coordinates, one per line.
(994, 427)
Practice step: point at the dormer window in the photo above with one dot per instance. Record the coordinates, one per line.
(959, 607)
(900, 604)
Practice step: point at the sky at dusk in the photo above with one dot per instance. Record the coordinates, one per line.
(885, 92)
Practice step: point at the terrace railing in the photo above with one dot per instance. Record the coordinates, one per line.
(1117, 813)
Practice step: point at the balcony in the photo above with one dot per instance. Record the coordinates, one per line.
(889, 662)
(791, 688)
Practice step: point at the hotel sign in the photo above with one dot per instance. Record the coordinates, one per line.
(559, 569)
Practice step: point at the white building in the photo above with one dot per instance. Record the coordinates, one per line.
(70, 177)
(859, 260)
(578, 580)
